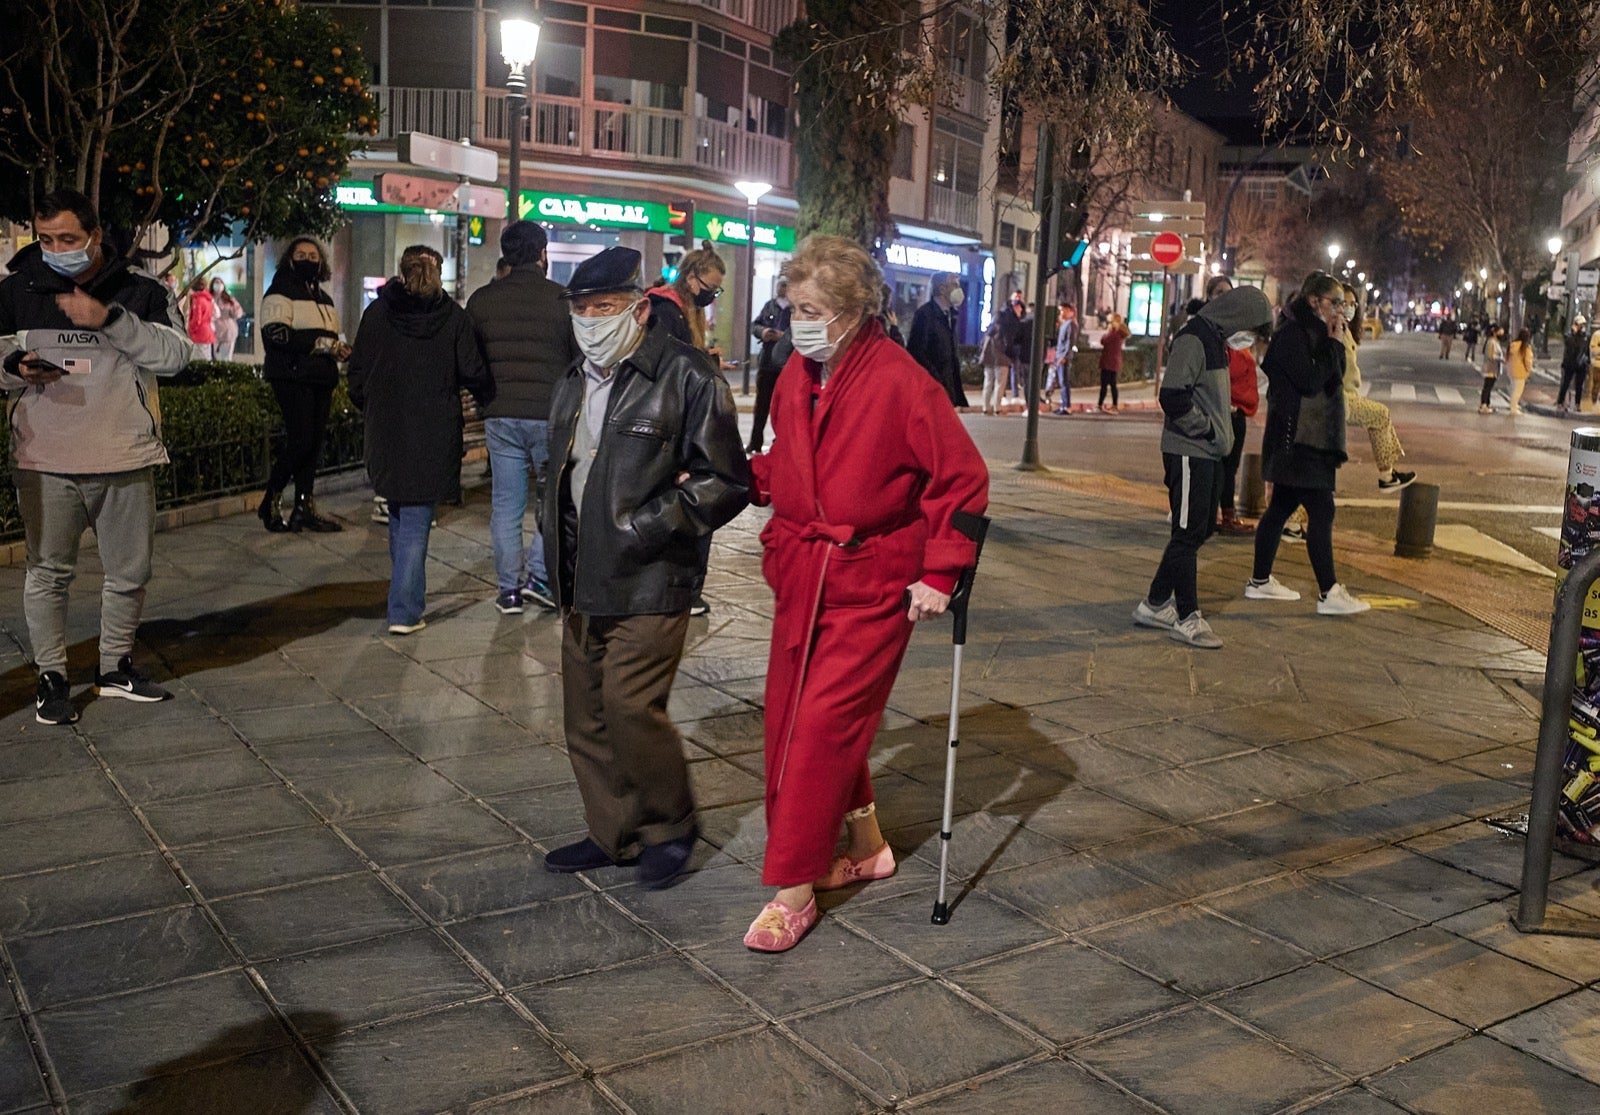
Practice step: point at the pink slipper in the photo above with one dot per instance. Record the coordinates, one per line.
(879, 865)
(778, 928)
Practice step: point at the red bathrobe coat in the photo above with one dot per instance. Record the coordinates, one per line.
(862, 489)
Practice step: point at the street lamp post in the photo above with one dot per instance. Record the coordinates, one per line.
(753, 193)
(1333, 255)
(519, 42)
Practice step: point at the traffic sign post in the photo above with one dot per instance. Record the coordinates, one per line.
(1166, 249)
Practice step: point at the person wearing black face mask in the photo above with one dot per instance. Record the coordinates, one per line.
(300, 329)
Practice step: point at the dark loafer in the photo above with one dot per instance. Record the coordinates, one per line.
(585, 855)
(661, 865)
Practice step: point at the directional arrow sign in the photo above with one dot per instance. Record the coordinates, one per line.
(1183, 226)
(1189, 209)
(442, 195)
(448, 157)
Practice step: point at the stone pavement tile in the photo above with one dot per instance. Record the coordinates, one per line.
(177, 715)
(707, 905)
(1384, 809)
(483, 882)
(1184, 1062)
(1486, 851)
(36, 799)
(274, 692)
(1312, 915)
(635, 1010)
(88, 892)
(1355, 1102)
(319, 756)
(759, 1072)
(979, 927)
(369, 791)
(1187, 862)
(1287, 835)
(270, 860)
(274, 1082)
(1580, 891)
(1183, 796)
(1565, 1032)
(543, 812)
(417, 704)
(1274, 722)
(1173, 743)
(1196, 951)
(510, 663)
(870, 1040)
(466, 736)
(370, 677)
(740, 831)
(1414, 884)
(21, 1087)
(1077, 891)
(428, 833)
(697, 702)
(536, 698)
(1271, 775)
(1576, 958)
(1481, 1074)
(116, 956)
(719, 782)
(1097, 713)
(113, 1041)
(77, 838)
(496, 772)
(441, 1061)
(987, 780)
(1357, 759)
(577, 1098)
(832, 964)
(904, 801)
(1080, 817)
(372, 980)
(267, 725)
(1454, 977)
(553, 939)
(159, 741)
(227, 814)
(1046, 1086)
(739, 734)
(40, 758)
(981, 842)
(170, 779)
(1427, 738)
(1065, 991)
(1512, 763)
(1349, 1024)
(270, 924)
(1086, 760)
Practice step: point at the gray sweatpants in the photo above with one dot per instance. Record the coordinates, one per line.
(121, 507)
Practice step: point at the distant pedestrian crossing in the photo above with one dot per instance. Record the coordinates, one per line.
(1436, 394)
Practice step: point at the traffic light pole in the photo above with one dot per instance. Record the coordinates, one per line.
(1047, 200)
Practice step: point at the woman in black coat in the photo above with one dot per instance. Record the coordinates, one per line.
(1304, 442)
(414, 353)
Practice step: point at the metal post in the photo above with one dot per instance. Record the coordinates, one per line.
(749, 299)
(1419, 511)
(1565, 627)
(1044, 195)
(516, 107)
(1161, 338)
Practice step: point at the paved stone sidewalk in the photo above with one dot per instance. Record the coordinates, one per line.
(1252, 880)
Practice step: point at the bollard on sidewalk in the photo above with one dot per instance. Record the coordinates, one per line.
(1419, 513)
(1255, 488)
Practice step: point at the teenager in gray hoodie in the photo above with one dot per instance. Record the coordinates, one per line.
(1195, 438)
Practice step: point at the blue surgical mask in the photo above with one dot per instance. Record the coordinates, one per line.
(68, 263)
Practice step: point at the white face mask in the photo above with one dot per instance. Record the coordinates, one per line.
(811, 339)
(1242, 341)
(956, 296)
(606, 340)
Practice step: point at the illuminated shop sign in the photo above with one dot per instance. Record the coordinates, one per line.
(602, 212)
(362, 197)
(733, 230)
(924, 259)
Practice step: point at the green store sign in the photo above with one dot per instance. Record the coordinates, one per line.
(735, 230)
(361, 197)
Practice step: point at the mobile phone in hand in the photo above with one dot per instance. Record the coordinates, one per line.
(40, 364)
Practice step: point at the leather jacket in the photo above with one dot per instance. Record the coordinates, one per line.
(635, 546)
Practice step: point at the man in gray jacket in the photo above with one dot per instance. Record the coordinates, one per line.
(526, 336)
(1195, 438)
(82, 337)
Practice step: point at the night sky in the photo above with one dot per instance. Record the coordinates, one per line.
(1199, 33)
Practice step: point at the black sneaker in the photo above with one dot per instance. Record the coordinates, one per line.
(1397, 481)
(699, 607)
(53, 705)
(509, 603)
(582, 855)
(661, 865)
(128, 683)
(540, 593)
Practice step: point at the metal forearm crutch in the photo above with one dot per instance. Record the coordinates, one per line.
(974, 527)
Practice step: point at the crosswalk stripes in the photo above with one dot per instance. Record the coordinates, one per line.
(1436, 394)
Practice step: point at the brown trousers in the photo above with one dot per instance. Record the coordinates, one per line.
(616, 676)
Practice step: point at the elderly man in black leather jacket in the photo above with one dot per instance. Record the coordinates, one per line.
(645, 461)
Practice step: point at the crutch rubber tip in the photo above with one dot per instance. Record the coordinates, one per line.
(941, 914)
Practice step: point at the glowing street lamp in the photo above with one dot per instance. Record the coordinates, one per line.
(753, 193)
(519, 42)
(1554, 244)
(1333, 253)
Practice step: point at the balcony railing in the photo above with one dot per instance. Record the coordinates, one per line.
(952, 209)
(446, 113)
(966, 95)
(770, 16)
(739, 154)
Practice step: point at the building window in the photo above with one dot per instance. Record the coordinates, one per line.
(640, 71)
(957, 163)
(905, 151)
(1024, 240)
(1008, 234)
(558, 71)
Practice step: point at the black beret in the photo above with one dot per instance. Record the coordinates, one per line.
(611, 270)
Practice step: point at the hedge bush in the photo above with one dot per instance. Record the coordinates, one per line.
(221, 425)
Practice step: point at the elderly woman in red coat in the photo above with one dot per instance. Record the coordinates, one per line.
(868, 465)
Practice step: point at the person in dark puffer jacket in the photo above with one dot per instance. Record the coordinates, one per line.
(525, 333)
(300, 329)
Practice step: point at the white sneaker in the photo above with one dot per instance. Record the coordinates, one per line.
(1194, 630)
(1338, 602)
(407, 628)
(1164, 617)
(1270, 589)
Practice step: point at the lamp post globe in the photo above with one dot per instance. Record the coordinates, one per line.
(1333, 253)
(519, 43)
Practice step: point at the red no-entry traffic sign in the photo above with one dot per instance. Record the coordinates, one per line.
(1167, 248)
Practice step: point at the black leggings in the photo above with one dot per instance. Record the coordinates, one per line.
(1108, 378)
(1488, 390)
(1318, 503)
(1230, 463)
(1572, 378)
(766, 380)
(305, 422)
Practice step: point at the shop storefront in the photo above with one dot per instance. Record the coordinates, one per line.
(910, 267)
